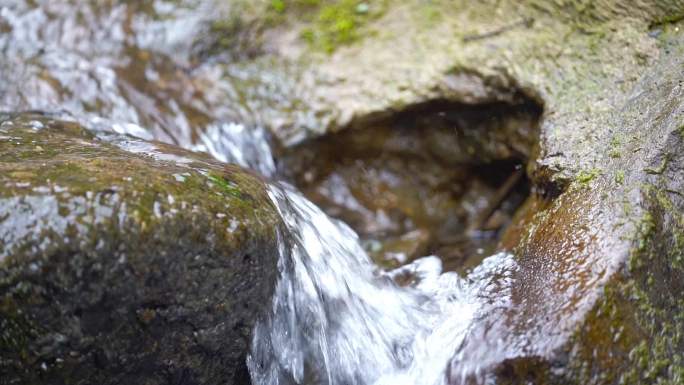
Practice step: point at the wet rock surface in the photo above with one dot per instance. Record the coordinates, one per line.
(598, 244)
(595, 296)
(146, 265)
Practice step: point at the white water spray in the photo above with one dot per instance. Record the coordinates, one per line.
(337, 319)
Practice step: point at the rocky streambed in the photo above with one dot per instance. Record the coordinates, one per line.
(142, 240)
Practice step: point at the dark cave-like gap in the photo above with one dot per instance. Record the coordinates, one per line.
(437, 178)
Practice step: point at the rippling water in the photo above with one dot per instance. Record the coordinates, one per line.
(131, 65)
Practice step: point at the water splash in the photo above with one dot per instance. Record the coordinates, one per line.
(227, 143)
(337, 319)
(235, 143)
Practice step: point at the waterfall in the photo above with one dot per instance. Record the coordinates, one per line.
(338, 319)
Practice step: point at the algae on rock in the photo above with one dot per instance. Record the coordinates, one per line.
(123, 267)
(609, 77)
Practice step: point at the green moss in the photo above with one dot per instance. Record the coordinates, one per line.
(678, 255)
(614, 150)
(229, 187)
(148, 187)
(226, 34)
(584, 177)
(195, 227)
(646, 229)
(340, 22)
(635, 334)
(676, 247)
(655, 267)
(619, 177)
(670, 18)
(278, 5)
(281, 6)
(661, 168)
(15, 328)
(69, 173)
(631, 335)
(324, 25)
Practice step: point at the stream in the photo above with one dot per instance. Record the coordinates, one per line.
(337, 317)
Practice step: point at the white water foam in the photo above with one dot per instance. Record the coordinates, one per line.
(337, 319)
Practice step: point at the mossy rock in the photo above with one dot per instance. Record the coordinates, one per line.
(122, 267)
(596, 295)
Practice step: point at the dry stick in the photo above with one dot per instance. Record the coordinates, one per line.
(525, 22)
(495, 202)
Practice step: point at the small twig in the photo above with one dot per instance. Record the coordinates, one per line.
(526, 22)
(498, 198)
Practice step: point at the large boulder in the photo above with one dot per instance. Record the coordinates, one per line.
(595, 297)
(126, 261)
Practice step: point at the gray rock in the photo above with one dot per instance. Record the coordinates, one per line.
(121, 267)
(596, 296)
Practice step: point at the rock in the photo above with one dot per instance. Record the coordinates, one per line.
(595, 297)
(563, 56)
(146, 265)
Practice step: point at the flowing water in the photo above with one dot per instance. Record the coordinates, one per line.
(336, 318)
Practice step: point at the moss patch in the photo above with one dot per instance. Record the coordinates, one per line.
(584, 177)
(635, 333)
(660, 168)
(325, 25)
(340, 23)
(82, 169)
